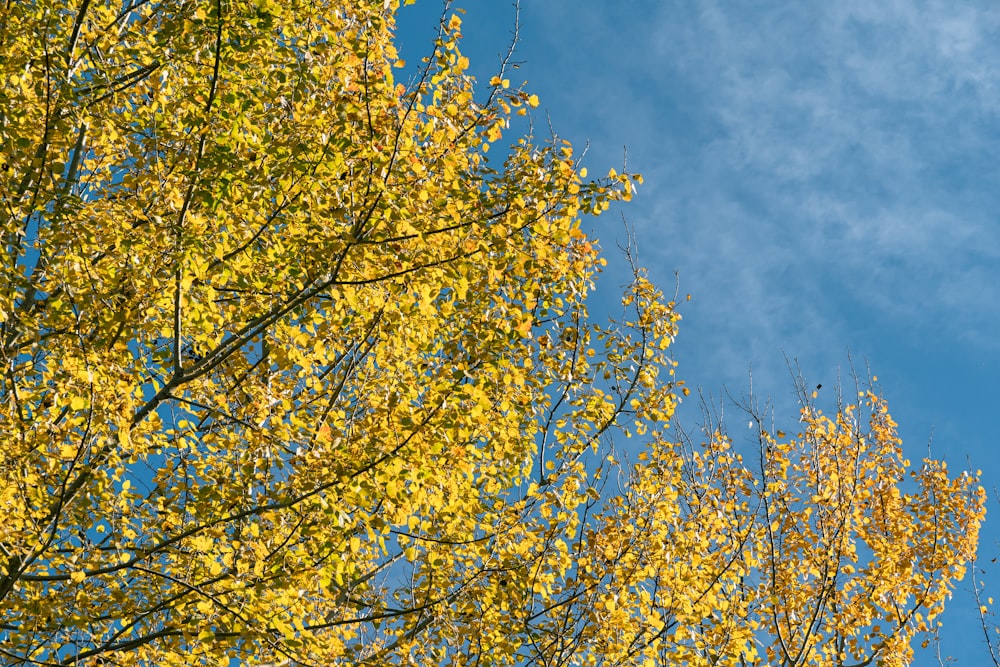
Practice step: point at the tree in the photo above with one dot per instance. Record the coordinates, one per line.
(294, 373)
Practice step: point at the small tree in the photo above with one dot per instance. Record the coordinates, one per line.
(294, 373)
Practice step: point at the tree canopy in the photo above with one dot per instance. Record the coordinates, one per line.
(296, 371)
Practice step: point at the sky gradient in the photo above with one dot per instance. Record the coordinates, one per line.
(821, 177)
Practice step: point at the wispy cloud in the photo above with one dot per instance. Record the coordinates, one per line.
(822, 174)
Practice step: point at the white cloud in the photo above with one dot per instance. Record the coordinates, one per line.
(820, 173)
(844, 139)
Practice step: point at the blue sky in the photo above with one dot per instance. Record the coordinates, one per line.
(824, 178)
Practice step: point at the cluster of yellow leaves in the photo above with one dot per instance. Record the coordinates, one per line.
(829, 550)
(295, 372)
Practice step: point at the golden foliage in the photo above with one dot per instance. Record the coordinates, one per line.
(295, 374)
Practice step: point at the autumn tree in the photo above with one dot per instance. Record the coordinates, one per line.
(296, 371)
